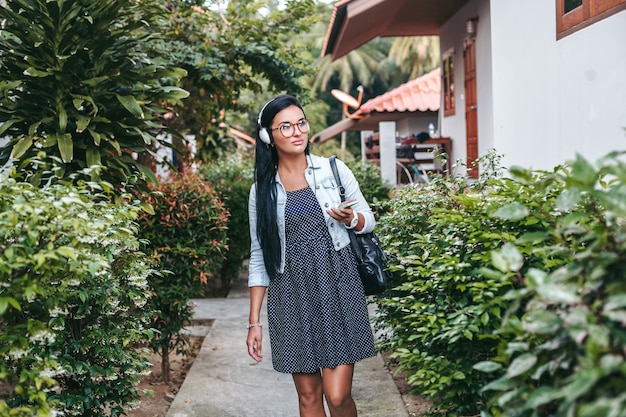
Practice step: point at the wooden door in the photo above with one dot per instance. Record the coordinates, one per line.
(471, 105)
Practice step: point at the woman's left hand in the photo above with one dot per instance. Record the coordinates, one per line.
(254, 342)
(343, 215)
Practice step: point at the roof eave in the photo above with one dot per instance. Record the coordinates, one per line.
(336, 22)
(356, 22)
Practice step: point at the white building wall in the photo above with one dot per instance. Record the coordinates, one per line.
(540, 100)
(591, 106)
(387, 131)
(556, 98)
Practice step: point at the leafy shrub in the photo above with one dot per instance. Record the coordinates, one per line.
(72, 301)
(516, 278)
(187, 235)
(441, 315)
(566, 354)
(232, 178)
(81, 83)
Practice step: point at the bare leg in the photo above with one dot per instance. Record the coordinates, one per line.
(337, 384)
(310, 394)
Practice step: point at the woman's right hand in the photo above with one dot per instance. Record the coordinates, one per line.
(254, 342)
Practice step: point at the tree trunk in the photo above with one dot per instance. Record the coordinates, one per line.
(165, 364)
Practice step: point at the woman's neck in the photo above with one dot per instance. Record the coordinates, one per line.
(292, 165)
(291, 172)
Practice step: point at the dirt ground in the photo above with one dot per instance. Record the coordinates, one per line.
(164, 393)
(415, 404)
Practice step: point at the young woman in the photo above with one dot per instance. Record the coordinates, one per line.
(300, 252)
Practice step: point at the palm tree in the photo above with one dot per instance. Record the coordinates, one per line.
(415, 55)
(363, 66)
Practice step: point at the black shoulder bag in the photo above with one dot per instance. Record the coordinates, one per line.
(370, 258)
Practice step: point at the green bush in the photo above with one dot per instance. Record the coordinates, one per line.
(82, 82)
(187, 235)
(566, 354)
(73, 300)
(232, 178)
(508, 293)
(441, 315)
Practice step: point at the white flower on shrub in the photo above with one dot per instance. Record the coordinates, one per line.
(109, 242)
(117, 311)
(15, 354)
(113, 303)
(51, 373)
(57, 326)
(58, 312)
(139, 301)
(138, 281)
(133, 405)
(146, 371)
(30, 296)
(42, 336)
(87, 239)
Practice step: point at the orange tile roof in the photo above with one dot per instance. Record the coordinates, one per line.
(421, 94)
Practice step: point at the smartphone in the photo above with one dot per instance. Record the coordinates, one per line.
(346, 204)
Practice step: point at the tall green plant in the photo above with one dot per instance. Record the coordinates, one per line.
(187, 234)
(442, 311)
(230, 47)
(566, 354)
(232, 178)
(73, 296)
(509, 292)
(80, 83)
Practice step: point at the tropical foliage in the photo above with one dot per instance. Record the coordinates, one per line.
(508, 297)
(415, 55)
(88, 90)
(73, 298)
(187, 236)
(231, 178)
(80, 84)
(441, 315)
(376, 67)
(566, 319)
(229, 48)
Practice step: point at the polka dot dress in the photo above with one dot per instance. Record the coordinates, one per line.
(317, 313)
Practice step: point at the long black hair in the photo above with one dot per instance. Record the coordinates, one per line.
(265, 169)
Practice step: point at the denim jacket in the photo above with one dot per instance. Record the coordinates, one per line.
(320, 177)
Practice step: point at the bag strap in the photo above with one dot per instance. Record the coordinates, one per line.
(333, 166)
(356, 248)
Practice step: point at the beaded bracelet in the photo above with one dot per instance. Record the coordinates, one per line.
(249, 326)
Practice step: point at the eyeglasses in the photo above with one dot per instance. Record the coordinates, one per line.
(288, 129)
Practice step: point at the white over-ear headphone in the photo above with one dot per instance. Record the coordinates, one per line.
(264, 134)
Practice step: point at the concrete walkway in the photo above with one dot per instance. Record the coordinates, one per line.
(225, 382)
